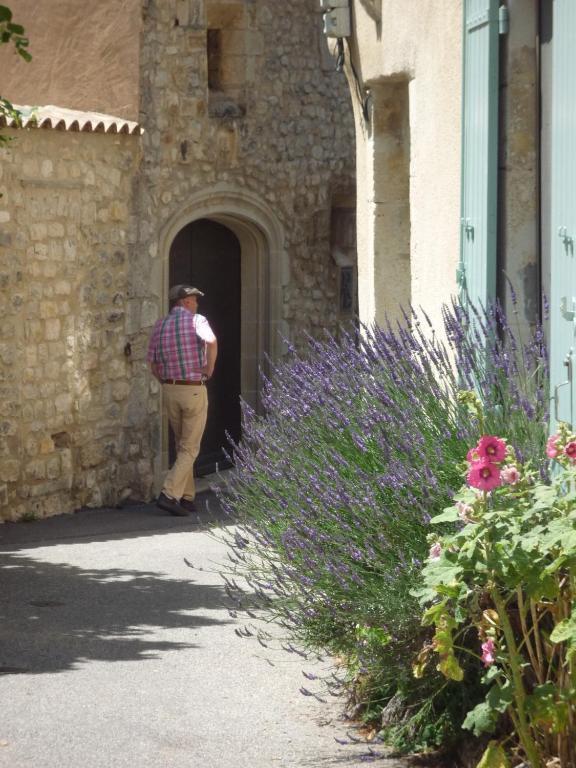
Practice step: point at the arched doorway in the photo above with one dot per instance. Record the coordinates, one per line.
(264, 272)
(207, 254)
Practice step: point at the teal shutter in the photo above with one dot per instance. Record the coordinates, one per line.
(477, 269)
(563, 211)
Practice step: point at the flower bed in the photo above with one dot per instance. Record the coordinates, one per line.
(501, 589)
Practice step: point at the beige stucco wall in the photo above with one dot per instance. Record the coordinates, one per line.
(418, 44)
(70, 434)
(84, 56)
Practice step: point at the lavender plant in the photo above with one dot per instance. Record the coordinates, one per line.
(361, 442)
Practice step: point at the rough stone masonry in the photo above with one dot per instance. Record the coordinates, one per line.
(236, 96)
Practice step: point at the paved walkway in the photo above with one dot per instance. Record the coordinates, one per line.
(114, 653)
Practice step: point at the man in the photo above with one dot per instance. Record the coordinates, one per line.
(181, 353)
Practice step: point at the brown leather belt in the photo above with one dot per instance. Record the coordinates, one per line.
(182, 381)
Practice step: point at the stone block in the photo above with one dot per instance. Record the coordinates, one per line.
(35, 470)
(66, 462)
(48, 309)
(70, 249)
(8, 428)
(149, 313)
(53, 468)
(46, 445)
(120, 390)
(9, 470)
(47, 168)
(47, 488)
(52, 329)
(118, 211)
(56, 229)
(38, 230)
(92, 454)
(62, 288)
(116, 369)
(63, 403)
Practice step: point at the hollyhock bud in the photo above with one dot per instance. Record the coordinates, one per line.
(488, 649)
(510, 475)
(465, 512)
(552, 447)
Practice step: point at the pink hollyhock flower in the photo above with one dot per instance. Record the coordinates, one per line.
(552, 447)
(435, 551)
(484, 475)
(570, 450)
(488, 649)
(510, 475)
(465, 511)
(491, 448)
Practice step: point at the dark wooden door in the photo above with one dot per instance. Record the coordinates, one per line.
(206, 254)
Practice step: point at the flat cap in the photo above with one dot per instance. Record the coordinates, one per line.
(178, 292)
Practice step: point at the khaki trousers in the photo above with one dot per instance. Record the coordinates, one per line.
(187, 408)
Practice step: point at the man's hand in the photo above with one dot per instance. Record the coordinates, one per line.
(211, 354)
(154, 369)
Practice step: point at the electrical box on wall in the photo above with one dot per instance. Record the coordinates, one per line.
(337, 23)
(336, 18)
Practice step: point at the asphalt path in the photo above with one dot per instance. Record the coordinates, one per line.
(115, 653)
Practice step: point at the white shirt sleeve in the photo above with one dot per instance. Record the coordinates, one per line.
(203, 329)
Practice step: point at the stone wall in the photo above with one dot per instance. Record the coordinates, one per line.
(247, 122)
(242, 107)
(65, 223)
(279, 127)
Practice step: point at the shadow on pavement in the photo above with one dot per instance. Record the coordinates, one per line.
(56, 616)
(109, 524)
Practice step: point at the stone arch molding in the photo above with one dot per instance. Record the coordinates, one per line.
(264, 271)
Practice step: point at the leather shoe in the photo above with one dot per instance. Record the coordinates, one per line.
(189, 506)
(171, 505)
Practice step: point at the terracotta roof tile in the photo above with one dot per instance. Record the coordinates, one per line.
(62, 119)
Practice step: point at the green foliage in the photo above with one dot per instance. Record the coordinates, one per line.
(13, 34)
(494, 757)
(509, 571)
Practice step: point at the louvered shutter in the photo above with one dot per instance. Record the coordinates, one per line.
(477, 269)
(563, 211)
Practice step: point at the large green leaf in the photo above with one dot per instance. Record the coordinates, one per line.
(481, 719)
(450, 515)
(450, 668)
(500, 697)
(565, 630)
(547, 710)
(494, 757)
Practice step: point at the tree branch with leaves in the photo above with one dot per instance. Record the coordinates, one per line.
(11, 34)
